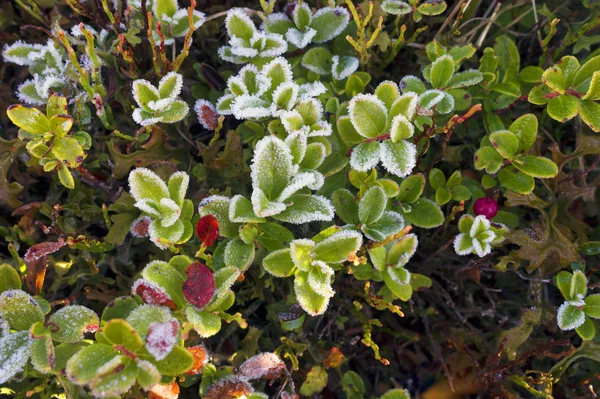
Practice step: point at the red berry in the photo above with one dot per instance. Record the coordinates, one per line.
(486, 206)
(199, 287)
(207, 230)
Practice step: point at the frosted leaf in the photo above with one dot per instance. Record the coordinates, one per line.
(430, 98)
(399, 274)
(139, 227)
(239, 24)
(148, 374)
(310, 301)
(263, 207)
(412, 84)
(368, 115)
(300, 39)
(178, 184)
(162, 104)
(144, 92)
(264, 365)
(240, 211)
(20, 53)
(148, 206)
(151, 293)
(286, 95)
(145, 184)
(161, 235)
(302, 15)
(161, 338)
(481, 248)
(398, 158)
(14, 352)
(343, 67)
(321, 129)
(306, 208)
(300, 253)
(19, 309)
(298, 182)
(226, 54)
(338, 247)
(70, 323)
(27, 93)
(45, 83)
(569, 317)
(76, 30)
(4, 327)
(170, 212)
(274, 21)
(238, 84)
(409, 238)
(271, 167)
(297, 142)
(365, 156)
(274, 45)
(251, 107)
(319, 278)
(406, 104)
(480, 224)
(278, 71)
(327, 28)
(292, 121)
(401, 128)
(319, 179)
(224, 104)
(207, 114)
(141, 317)
(229, 387)
(463, 245)
(313, 89)
(144, 120)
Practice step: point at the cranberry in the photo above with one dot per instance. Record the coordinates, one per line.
(486, 206)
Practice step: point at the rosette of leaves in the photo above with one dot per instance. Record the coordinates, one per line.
(448, 189)
(578, 310)
(165, 204)
(192, 289)
(370, 215)
(306, 27)
(160, 104)
(254, 94)
(246, 43)
(26, 336)
(49, 138)
(381, 123)
(174, 21)
(306, 119)
(418, 8)
(47, 64)
(506, 152)
(569, 89)
(136, 344)
(389, 265)
(477, 235)
(447, 83)
(313, 264)
(320, 61)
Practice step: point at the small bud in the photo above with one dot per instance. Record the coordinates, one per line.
(207, 230)
(486, 206)
(199, 287)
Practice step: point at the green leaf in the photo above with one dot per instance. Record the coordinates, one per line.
(179, 360)
(437, 179)
(388, 224)
(424, 213)
(345, 205)
(372, 205)
(396, 7)
(589, 111)
(441, 72)
(569, 317)
(514, 180)
(318, 60)
(219, 207)
(15, 349)
(57, 105)
(587, 331)
(592, 306)
(166, 7)
(563, 283)
(170, 85)
(578, 286)
(365, 156)
(563, 108)
(306, 208)
(279, 263)
(83, 366)
(147, 374)
(272, 166)
(9, 278)
(352, 384)
(144, 93)
(442, 196)
(539, 167)
(274, 236)
(329, 23)
(488, 158)
(176, 112)
(68, 150)
(554, 78)
(401, 128)
(311, 302)
(347, 132)
(239, 25)
(72, 322)
(119, 332)
(20, 310)
(29, 119)
(240, 211)
(314, 157)
(145, 184)
(391, 278)
(144, 315)
(525, 128)
(206, 324)
(178, 185)
(411, 188)
(583, 77)
(531, 74)
(505, 142)
(117, 381)
(593, 92)
(337, 247)
(396, 394)
(435, 7)
(42, 348)
(387, 92)
(368, 115)
(465, 79)
(239, 254)
(398, 158)
(508, 54)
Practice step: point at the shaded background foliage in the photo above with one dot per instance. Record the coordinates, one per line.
(450, 334)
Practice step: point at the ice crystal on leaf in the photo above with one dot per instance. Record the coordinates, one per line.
(159, 104)
(264, 365)
(476, 236)
(161, 338)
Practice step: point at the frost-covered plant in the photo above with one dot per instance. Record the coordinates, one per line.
(313, 264)
(47, 64)
(506, 152)
(174, 21)
(182, 284)
(306, 119)
(381, 122)
(160, 104)
(578, 310)
(165, 204)
(418, 8)
(254, 94)
(49, 138)
(320, 61)
(477, 235)
(246, 43)
(306, 27)
(569, 89)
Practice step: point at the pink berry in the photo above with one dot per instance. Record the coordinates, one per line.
(486, 206)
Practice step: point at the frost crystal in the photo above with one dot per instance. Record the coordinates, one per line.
(320, 277)
(14, 353)
(347, 66)
(161, 338)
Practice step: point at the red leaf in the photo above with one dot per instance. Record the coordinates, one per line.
(207, 114)
(36, 258)
(200, 359)
(152, 294)
(139, 227)
(199, 287)
(207, 230)
(161, 338)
